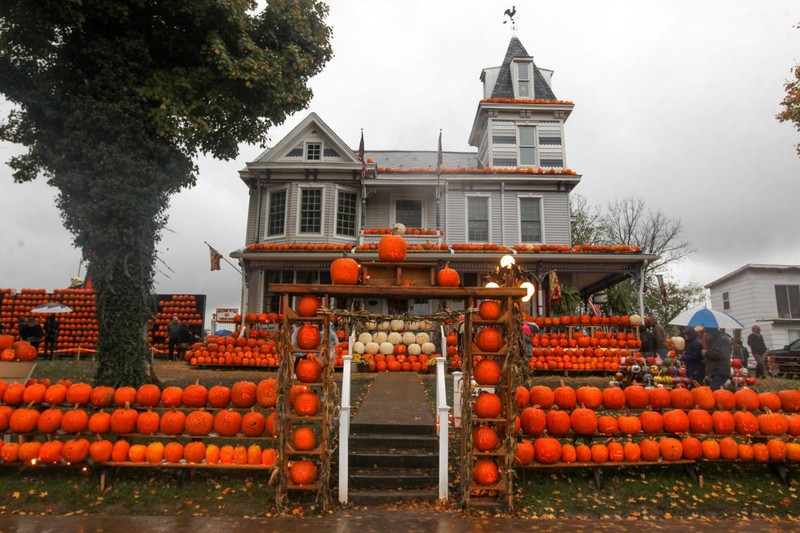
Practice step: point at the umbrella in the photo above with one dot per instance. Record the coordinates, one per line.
(707, 318)
(51, 308)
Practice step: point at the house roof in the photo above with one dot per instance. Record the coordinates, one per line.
(416, 159)
(751, 266)
(503, 88)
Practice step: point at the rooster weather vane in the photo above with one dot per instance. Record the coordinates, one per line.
(510, 14)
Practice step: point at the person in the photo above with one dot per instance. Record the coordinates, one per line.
(51, 326)
(31, 332)
(184, 338)
(692, 356)
(648, 341)
(660, 335)
(738, 351)
(528, 329)
(718, 358)
(758, 348)
(173, 333)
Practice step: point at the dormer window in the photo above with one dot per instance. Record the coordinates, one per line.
(522, 74)
(313, 151)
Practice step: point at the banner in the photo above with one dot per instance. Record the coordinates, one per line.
(555, 287)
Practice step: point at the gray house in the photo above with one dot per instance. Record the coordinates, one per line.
(311, 198)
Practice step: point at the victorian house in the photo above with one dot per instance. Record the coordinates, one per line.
(311, 200)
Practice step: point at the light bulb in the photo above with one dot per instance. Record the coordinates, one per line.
(492, 285)
(528, 286)
(507, 260)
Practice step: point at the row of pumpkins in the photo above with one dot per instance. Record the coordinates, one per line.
(11, 350)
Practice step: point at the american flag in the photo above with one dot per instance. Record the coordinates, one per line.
(596, 309)
(361, 156)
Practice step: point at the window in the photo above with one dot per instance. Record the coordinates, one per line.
(530, 219)
(311, 211)
(523, 80)
(276, 217)
(346, 208)
(788, 299)
(478, 218)
(408, 212)
(313, 151)
(527, 146)
(726, 301)
(272, 301)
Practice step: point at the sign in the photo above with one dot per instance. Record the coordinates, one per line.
(226, 314)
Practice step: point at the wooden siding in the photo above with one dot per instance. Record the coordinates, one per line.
(252, 216)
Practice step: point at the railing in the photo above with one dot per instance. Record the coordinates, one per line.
(344, 422)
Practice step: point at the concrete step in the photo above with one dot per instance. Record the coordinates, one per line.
(382, 497)
(373, 427)
(393, 478)
(393, 441)
(379, 457)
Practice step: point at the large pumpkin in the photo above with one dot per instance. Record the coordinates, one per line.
(307, 305)
(308, 337)
(308, 371)
(542, 396)
(486, 472)
(267, 393)
(448, 277)
(489, 340)
(489, 310)
(243, 394)
(487, 372)
(392, 249)
(199, 423)
(484, 438)
(488, 405)
(303, 472)
(547, 450)
(344, 271)
(583, 421)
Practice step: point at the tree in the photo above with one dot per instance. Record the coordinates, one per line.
(791, 102)
(586, 227)
(113, 100)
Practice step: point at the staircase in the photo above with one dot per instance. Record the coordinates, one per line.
(394, 450)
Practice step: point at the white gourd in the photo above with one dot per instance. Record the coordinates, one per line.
(423, 337)
(379, 337)
(395, 337)
(365, 337)
(358, 347)
(409, 338)
(372, 347)
(397, 325)
(428, 348)
(414, 349)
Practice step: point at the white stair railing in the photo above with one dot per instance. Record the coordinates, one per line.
(344, 422)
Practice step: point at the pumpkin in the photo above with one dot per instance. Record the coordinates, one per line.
(172, 397)
(542, 396)
(308, 305)
(632, 452)
(583, 421)
(304, 439)
(533, 421)
(195, 395)
(769, 401)
(344, 271)
(682, 398)
(607, 425)
(568, 453)
(793, 425)
(49, 421)
(9, 453)
(484, 438)
(723, 422)
(489, 310)
(487, 372)
(671, 448)
(154, 453)
(489, 340)
(29, 451)
(485, 472)
(760, 452)
(243, 394)
(447, 277)
(148, 395)
(267, 393)
(253, 424)
(194, 452)
(704, 398)
(34, 393)
(725, 399)
(199, 423)
(219, 396)
(226, 455)
(25, 351)
(599, 453)
(392, 249)
(678, 343)
(523, 453)
(636, 397)
(307, 403)
(776, 449)
(522, 397)
(652, 422)
(589, 397)
(746, 453)
(629, 424)
(711, 449)
(56, 394)
(303, 472)
(74, 421)
(488, 405)
(227, 423)
(272, 427)
(583, 453)
(793, 452)
(616, 452)
(7, 355)
(659, 398)
(613, 398)
(212, 454)
(565, 397)
(790, 400)
(676, 421)
(700, 421)
(137, 453)
(173, 452)
(772, 424)
(747, 398)
(308, 337)
(102, 396)
(122, 396)
(13, 395)
(173, 422)
(745, 422)
(23, 420)
(254, 455)
(75, 450)
(79, 393)
(558, 422)
(148, 422)
(119, 452)
(269, 457)
(547, 450)
(6, 341)
(308, 371)
(728, 449)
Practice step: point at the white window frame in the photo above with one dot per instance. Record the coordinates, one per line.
(535, 146)
(726, 301)
(540, 198)
(337, 190)
(306, 150)
(416, 197)
(515, 77)
(788, 300)
(267, 236)
(300, 190)
(488, 214)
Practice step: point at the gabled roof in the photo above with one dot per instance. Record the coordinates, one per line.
(754, 267)
(503, 88)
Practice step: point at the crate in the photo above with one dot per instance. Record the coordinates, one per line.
(399, 274)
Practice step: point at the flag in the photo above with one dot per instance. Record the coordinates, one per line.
(439, 156)
(215, 258)
(555, 287)
(361, 156)
(596, 309)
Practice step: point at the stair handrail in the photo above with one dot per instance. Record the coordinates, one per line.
(442, 418)
(344, 420)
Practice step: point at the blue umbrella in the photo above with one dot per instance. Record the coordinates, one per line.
(706, 318)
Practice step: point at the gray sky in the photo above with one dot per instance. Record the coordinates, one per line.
(674, 103)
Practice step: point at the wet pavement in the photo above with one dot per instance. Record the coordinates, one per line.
(367, 521)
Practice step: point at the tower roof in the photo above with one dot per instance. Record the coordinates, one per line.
(503, 88)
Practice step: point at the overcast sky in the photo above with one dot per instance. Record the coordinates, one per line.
(674, 103)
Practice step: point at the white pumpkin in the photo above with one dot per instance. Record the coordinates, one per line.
(413, 325)
(414, 349)
(371, 324)
(425, 325)
(372, 347)
(428, 348)
(358, 347)
(679, 343)
(395, 337)
(409, 338)
(397, 325)
(379, 337)
(386, 348)
(636, 320)
(365, 337)
(383, 326)
(423, 337)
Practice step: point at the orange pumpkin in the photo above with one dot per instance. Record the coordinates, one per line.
(303, 472)
(613, 398)
(488, 405)
(558, 422)
(199, 423)
(253, 424)
(308, 337)
(682, 398)
(227, 423)
(484, 438)
(194, 452)
(533, 421)
(148, 395)
(172, 397)
(565, 397)
(119, 451)
(541, 396)
(547, 450)
(489, 340)
(523, 453)
(74, 421)
(583, 421)
(304, 439)
(344, 271)
(102, 396)
(676, 421)
(711, 449)
(147, 423)
(267, 393)
(691, 448)
(392, 249)
(219, 396)
(75, 450)
(307, 404)
(636, 397)
(569, 453)
(728, 449)
(308, 305)
(79, 393)
(485, 472)
(173, 422)
(195, 395)
(56, 394)
(49, 421)
(173, 452)
(487, 372)
(308, 370)
(448, 277)
(489, 310)
(671, 449)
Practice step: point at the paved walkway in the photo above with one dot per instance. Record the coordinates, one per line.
(394, 399)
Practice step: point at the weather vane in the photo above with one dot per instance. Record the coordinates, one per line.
(510, 14)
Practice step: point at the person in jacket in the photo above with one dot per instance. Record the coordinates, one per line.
(717, 356)
(31, 332)
(692, 356)
(758, 348)
(660, 335)
(173, 335)
(50, 336)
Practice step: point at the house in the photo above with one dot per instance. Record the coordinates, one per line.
(767, 295)
(312, 198)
